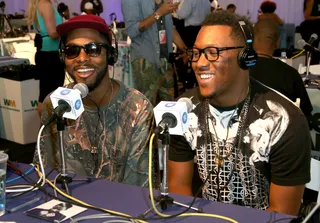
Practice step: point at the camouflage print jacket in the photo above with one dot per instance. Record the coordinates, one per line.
(112, 145)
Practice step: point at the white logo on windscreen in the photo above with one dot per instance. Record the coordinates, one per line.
(170, 104)
(65, 92)
(77, 105)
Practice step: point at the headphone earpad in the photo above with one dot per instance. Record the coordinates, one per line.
(247, 57)
(61, 54)
(112, 56)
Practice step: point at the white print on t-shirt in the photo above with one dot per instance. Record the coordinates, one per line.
(275, 120)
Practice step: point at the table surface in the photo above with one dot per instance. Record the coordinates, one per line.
(134, 200)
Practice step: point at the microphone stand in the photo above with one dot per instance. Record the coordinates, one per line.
(307, 79)
(63, 178)
(164, 199)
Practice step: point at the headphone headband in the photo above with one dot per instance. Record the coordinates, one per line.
(247, 56)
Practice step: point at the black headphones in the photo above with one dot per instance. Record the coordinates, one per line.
(112, 52)
(247, 57)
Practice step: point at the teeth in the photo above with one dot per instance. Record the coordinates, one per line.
(85, 70)
(206, 76)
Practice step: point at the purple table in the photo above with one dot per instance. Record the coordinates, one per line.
(134, 200)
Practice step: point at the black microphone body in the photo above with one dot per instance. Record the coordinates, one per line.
(169, 120)
(58, 112)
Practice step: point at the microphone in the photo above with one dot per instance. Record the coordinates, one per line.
(313, 38)
(67, 102)
(308, 47)
(174, 115)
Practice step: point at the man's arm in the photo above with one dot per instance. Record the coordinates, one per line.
(180, 166)
(285, 199)
(48, 140)
(46, 11)
(134, 24)
(290, 166)
(308, 10)
(141, 117)
(176, 38)
(180, 177)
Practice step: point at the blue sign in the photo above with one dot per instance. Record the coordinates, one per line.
(184, 118)
(170, 104)
(77, 105)
(65, 92)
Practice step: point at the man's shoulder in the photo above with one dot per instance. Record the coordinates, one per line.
(276, 65)
(264, 95)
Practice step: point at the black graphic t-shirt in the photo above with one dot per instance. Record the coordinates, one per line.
(274, 146)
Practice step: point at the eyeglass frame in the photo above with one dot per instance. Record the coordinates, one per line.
(219, 49)
(83, 47)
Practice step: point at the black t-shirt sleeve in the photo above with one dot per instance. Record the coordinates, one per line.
(290, 157)
(179, 150)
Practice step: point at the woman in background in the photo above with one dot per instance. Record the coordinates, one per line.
(311, 24)
(268, 8)
(44, 17)
(63, 10)
(97, 6)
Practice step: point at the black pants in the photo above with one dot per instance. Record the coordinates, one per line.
(50, 72)
(190, 34)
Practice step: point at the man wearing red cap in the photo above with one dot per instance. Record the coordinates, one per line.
(109, 140)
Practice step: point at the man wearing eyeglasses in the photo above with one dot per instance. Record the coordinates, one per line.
(252, 145)
(109, 140)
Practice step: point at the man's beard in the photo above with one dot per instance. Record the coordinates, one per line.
(100, 75)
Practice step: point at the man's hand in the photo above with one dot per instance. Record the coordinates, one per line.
(167, 7)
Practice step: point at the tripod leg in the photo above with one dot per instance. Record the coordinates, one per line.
(66, 187)
(186, 206)
(148, 211)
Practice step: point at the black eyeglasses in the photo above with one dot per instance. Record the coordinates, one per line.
(211, 53)
(91, 49)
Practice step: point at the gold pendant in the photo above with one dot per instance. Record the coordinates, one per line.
(219, 161)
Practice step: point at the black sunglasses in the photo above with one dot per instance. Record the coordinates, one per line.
(91, 49)
(211, 53)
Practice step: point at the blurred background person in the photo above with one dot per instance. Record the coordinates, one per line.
(44, 17)
(95, 8)
(231, 8)
(311, 24)
(63, 10)
(88, 9)
(193, 13)
(268, 9)
(150, 28)
(273, 72)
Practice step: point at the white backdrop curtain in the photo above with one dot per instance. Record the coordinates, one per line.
(291, 11)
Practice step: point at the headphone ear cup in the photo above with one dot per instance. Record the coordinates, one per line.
(241, 59)
(61, 56)
(112, 56)
(247, 57)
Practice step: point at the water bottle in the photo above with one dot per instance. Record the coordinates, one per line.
(283, 57)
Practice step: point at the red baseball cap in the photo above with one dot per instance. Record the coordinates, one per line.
(84, 21)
